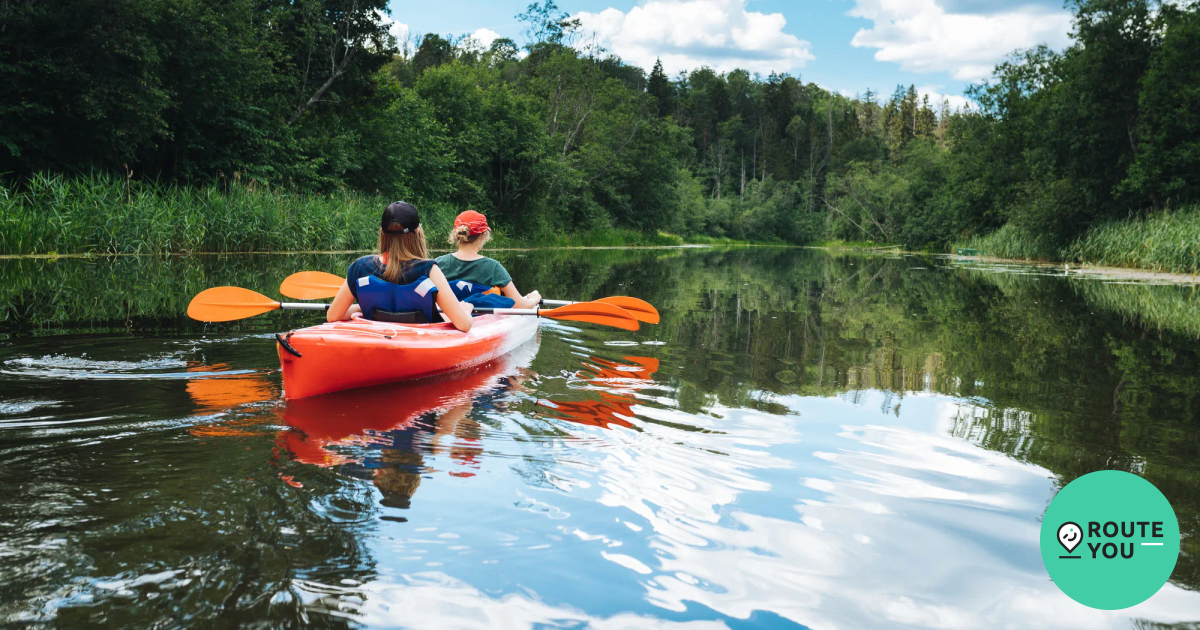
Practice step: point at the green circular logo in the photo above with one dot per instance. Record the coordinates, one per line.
(1110, 540)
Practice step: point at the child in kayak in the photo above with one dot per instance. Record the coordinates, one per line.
(402, 261)
(470, 234)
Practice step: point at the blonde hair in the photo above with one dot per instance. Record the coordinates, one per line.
(400, 249)
(461, 235)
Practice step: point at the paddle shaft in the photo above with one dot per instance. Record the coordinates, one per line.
(602, 314)
(536, 312)
(310, 306)
(311, 285)
(506, 311)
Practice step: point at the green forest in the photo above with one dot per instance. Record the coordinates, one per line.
(178, 125)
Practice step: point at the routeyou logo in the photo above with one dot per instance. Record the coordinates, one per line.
(1110, 540)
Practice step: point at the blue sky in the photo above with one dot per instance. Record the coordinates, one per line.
(941, 46)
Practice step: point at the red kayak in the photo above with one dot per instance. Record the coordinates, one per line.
(321, 424)
(359, 353)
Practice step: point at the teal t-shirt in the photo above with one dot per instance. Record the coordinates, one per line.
(483, 271)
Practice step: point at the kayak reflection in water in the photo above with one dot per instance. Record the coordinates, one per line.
(385, 434)
(395, 463)
(471, 273)
(216, 394)
(616, 382)
(400, 277)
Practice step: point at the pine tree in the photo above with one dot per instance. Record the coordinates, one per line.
(896, 122)
(659, 88)
(869, 113)
(926, 120)
(903, 115)
(434, 51)
(911, 111)
(943, 122)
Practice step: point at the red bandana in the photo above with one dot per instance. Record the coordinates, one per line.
(475, 222)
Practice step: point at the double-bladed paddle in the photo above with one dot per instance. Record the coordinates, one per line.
(226, 304)
(316, 285)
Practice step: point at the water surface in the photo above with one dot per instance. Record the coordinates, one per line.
(806, 440)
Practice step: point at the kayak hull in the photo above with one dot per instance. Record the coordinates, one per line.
(360, 353)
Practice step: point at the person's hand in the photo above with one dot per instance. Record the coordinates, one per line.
(468, 307)
(534, 296)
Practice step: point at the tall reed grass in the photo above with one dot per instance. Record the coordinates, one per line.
(103, 214)
(1009, 242)
(1166, 241)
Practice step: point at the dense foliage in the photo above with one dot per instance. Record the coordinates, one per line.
(554, 137)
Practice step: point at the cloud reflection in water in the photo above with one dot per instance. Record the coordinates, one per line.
(912, 528)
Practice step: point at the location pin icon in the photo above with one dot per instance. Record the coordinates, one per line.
(1069, 536)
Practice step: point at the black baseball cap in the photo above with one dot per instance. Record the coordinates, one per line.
(400, 217)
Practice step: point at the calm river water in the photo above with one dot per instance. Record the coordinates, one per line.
(806, 440)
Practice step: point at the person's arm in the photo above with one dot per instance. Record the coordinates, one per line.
(458, 313)
(520, 301)
(343, 305)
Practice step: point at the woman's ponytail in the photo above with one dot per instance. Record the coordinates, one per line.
(461, 235)
(401, 249)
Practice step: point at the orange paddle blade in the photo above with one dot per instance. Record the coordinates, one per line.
(225, 304)
(641, 310)
(311, 285)
(593, 313)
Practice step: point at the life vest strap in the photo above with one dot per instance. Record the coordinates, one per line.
(404, 317)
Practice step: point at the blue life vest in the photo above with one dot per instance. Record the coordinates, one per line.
(476, 294)
(376, 293)
(464, 289)
(490, 300)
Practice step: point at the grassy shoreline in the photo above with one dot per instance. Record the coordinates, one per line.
(54, 215)
(1163, 242)
(434, 250)
(99, 215)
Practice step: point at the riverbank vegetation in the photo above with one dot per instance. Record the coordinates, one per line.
(102, 214)
(1070, 154)
(1162, 241)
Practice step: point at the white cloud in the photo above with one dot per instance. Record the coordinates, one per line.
(957, 101)
(930, 36)
(842, 91)
(399, 30)
(433, 600)
(687, 34)
(484, 37)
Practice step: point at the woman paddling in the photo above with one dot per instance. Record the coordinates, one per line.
(400, 280)
(470, 234)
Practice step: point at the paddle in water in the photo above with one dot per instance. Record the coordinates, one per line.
(641, 310)
(591, 312)
(226, 304)
(316, 285)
